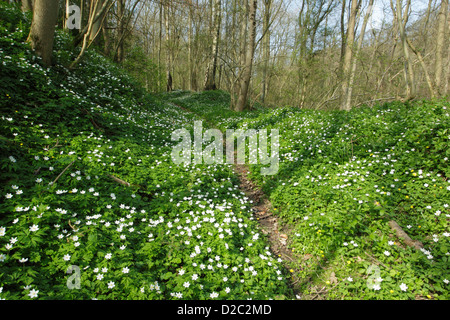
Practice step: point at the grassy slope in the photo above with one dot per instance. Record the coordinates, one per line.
(342, 177)
(177, 231)
(335, 188)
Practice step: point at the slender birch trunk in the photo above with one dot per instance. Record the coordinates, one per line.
(249, 52)
(443, 13)
(96, 26)
(348, 100)
(210, 79)
(168, 51)
(266, 48)
(350, 38)
(408, 68)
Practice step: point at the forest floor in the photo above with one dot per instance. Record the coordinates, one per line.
(338, 238)
(276, 232)
(359, 207)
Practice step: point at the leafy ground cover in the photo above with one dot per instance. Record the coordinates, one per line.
(87, 180)
(343, 177)
(88, 189)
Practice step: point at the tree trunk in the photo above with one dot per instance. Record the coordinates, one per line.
(443, 13)
(424, 67)
(96, 26)
(266, 48)
(92, 18)
(447, 78)
(409, 72)
(27, 5)
(210, 79)
(242, 40)
(106, 38)
(348, 100)
(160, 45)
(67, 15)
(42, 30)
(343, 36)
(190, 46)
(168, 51)
(350, 38)
(250, 50)
(120, 30)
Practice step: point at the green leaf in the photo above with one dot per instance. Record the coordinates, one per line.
(166, 275)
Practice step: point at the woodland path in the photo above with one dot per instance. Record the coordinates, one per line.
(262, 211)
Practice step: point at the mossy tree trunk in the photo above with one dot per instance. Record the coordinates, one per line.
(42, 31)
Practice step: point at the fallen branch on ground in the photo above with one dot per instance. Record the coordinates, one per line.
(122, 182)
(65, 169)
(402, 234)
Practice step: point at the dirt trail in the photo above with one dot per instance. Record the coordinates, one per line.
(276, 234)
(262, 210)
